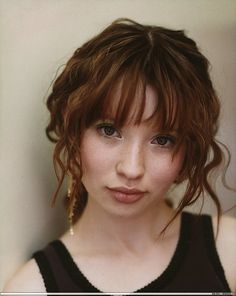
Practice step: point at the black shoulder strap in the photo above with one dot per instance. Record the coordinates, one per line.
(46, 271)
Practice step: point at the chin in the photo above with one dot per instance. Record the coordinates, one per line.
(129, 211)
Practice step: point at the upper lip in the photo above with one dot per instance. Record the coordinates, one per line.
(126, 190)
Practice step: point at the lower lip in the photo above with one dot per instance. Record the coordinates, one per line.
(126, 198)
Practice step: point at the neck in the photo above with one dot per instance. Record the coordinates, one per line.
(100, 228)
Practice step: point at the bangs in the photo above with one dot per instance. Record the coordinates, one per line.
(125, 101)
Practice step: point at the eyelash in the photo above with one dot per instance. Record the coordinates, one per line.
(101, 129)
(170, 140)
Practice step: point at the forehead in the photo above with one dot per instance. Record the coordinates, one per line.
(126, 101)
(150, 102)
(142, 104)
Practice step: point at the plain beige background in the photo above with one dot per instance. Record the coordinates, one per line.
(36, 37)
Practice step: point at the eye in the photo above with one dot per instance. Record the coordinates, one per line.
(108, 130)
(164, 141)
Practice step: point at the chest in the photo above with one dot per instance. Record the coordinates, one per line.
(191, 265)
(125, 273)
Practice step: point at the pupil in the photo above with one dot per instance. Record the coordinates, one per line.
(109, 130)
(162, 140)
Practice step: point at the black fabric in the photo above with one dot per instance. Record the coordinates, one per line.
(46, 271)
(211, 250)
(194, 267)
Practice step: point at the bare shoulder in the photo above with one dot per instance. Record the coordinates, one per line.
(225, 245)
(27, 279)
(227, 230)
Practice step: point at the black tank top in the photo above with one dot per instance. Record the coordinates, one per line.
(194, 267)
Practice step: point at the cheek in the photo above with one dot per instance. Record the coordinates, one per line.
(165, 170)
(94, 158)
(89, 158)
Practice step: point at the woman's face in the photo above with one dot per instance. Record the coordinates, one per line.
(129, 170)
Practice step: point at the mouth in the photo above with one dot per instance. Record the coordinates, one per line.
(126, 190)
(126, 195)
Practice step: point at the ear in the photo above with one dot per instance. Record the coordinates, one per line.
(169, 202)
(180, 178)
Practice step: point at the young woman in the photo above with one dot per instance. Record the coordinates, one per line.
(133, 114)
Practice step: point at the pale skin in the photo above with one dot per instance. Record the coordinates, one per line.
(116, 237)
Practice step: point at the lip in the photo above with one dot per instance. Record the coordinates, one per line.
(126, 190)
(126, 195)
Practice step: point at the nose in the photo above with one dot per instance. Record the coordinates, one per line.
(131, 162)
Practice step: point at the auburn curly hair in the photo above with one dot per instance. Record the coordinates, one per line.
(132, 55)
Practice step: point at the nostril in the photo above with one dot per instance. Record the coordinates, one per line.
(130, 167)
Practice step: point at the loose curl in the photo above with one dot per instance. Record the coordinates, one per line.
(129, 55)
